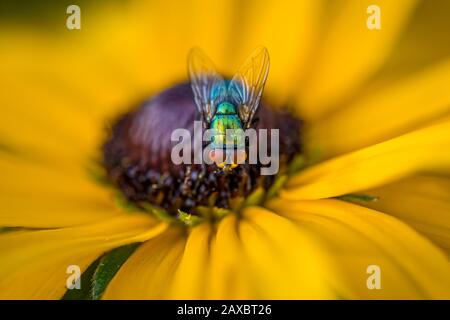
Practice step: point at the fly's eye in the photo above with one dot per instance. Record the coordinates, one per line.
(230, 157)
(217, 156)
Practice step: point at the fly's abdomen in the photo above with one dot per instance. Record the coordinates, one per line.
(222, 122)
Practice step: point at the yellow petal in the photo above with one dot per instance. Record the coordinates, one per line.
(357, 237)
(36, 196)
(52, 212)
(189, 279)
(102, 80)
(33, 264)
(228, 276)
(351, 53)
(149, 272)
(285, 262)
(425, 149)
(211, 24)
(287, 28)
(207, 24)
(423, 202)
(39, 64)
(45, 122)
(384, 113)
(254, 258)
(423, 42)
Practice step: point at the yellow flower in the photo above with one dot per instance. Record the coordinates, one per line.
(376, 106)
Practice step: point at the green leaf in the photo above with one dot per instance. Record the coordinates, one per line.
(107, 268)
(97, 276)
(84, 293)
(354, 197)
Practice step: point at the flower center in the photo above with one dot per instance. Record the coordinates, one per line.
(137, 157)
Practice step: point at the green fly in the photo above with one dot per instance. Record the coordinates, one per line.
(228, 107)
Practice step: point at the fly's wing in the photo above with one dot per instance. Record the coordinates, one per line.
(208, 86)
(246, 87)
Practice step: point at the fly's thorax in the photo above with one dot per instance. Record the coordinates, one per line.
(226, 108)
(226, 127)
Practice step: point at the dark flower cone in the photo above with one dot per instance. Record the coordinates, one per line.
(137, 155)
